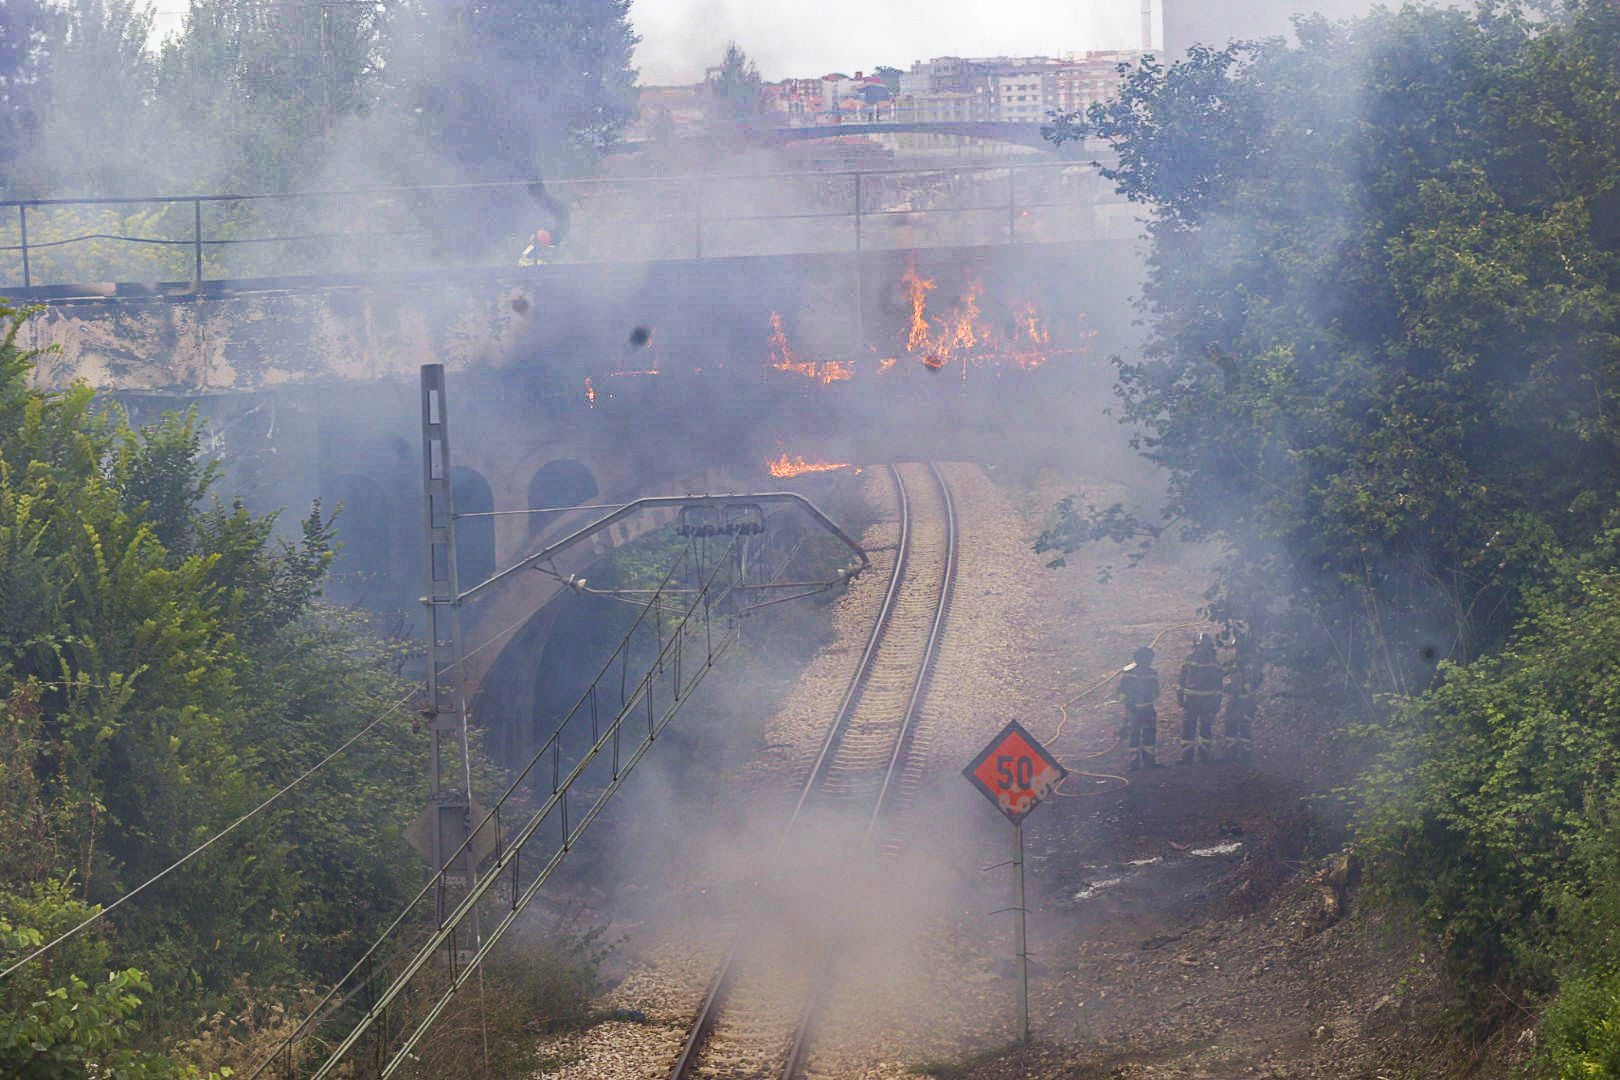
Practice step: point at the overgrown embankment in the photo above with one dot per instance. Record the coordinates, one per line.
(166, 664)
(1384, 370)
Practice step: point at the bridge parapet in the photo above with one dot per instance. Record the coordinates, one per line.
(195, 246)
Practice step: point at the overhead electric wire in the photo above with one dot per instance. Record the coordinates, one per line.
(103, 912)
(333, 994)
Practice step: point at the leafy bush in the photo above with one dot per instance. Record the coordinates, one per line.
(1493, 810)
(77, 1031)
(55, 1022)
(1489, 786)
(165, 664)
(1581, 1030)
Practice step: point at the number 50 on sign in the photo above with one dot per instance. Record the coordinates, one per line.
(1015, 772)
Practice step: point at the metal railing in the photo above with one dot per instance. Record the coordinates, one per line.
(375, 1016)
(186, 240)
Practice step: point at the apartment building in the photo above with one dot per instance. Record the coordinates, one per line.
(1019, 96)
(944, 106)
(1080, 82)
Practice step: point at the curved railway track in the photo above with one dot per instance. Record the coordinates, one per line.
(757, 1016)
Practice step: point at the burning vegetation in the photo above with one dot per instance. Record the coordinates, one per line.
(962, 334)
(785, 468)
(784, 359)
(973, 330)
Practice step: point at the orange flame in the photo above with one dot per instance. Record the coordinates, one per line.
(781, 352)
(964, 334)
(935, 343)
(917, 289)
(590, 392)
(1017, 338)
(1034, 338)
(784, 359)
(784, 467)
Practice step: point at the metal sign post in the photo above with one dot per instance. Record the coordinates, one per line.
(1015, 772)
(1020, 936)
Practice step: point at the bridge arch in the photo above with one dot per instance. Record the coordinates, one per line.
(379, 564)
(475, 537)
(541, 633)
(562, 482)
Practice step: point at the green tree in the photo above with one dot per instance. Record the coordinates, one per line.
(1384, 320)
(513, 89)
(26, 29)
(95, 137)
(249, 94)
(735, 88)
(1383, 367)
(165, 664)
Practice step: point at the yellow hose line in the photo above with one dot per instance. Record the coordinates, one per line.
(1063, 722)
(1058, 791)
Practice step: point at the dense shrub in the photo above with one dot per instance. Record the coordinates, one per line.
(165, 664)
(1492, 803)
(1581, 1031)
(1383, 370)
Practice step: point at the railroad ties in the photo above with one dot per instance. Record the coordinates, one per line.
(757, 1019)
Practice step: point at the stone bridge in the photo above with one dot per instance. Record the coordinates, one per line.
(589, 383)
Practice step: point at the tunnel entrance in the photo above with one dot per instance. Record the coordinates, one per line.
(475, 537)
(564, 482)
(543, 671)
(379, 566)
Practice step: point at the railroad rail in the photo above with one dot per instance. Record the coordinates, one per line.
(757, 1018)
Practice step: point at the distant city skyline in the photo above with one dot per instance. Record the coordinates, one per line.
(795, 40)
(680, 38)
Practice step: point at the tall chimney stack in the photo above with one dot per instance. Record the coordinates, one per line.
(1147, 25)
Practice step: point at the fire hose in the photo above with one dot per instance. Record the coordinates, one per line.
(1064, 718)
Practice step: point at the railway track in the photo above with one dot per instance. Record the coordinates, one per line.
(757, 1017)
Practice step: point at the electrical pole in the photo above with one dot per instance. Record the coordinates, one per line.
(446, 712)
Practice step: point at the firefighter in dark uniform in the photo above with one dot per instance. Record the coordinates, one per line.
(1139, 688)
(1199, 695)
(1242, 701)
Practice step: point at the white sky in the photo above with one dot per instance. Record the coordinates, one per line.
(806, 38)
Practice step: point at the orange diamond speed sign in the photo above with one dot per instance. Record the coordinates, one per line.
(1015, 772)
